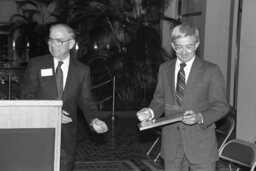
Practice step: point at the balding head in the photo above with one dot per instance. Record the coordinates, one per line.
(64, 27)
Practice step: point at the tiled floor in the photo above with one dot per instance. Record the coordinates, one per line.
(122, 148)
(124, 142)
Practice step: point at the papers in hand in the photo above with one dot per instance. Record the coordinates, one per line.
(160, 121)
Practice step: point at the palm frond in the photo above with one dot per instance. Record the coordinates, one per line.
(18, 18)
(23, 4)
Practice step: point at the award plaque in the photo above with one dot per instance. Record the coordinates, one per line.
(160, 121)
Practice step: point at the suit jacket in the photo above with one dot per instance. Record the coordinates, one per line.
(205, 93)
(77, 92)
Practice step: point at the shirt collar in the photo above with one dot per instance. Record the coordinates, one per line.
(188, 64)
(66, 60)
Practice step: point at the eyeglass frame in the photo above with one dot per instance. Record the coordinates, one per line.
(188, 47)
(57, 42)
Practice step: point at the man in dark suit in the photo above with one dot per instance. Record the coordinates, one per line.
(201, 99)
(40, 83)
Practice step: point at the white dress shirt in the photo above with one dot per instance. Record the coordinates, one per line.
(186, 69)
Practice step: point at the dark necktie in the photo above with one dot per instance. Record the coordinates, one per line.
(180, 88)
(59, 79)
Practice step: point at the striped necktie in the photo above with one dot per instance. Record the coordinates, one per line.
(180, 88)
(59, 79)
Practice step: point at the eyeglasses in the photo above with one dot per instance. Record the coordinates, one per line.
(57, 42)
(187, 48)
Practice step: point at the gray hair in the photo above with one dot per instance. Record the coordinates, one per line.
(66, 27)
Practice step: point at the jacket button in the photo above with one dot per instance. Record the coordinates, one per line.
(178, 128)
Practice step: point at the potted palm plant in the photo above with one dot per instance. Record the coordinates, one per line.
(122, 36)
(115, 37)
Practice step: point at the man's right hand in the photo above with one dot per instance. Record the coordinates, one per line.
(65, 119)
(144, 115)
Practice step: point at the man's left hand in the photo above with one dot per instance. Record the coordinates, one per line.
(99, 126)
(191, 118)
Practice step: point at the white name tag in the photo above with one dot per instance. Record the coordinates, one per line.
(46, 72)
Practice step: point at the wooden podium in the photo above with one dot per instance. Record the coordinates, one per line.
(30, 132)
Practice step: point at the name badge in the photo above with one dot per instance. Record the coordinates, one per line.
(46, 72)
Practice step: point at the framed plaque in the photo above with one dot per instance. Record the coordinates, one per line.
(160, 121)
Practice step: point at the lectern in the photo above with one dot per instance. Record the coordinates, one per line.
(30, 132)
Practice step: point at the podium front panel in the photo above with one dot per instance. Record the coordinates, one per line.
(30, 131)
(27, 149)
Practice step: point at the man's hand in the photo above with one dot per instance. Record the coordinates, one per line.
(65, 119)
(191, 118)
(99, 126)
(144, 115)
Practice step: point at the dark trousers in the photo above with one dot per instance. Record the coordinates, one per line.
(181, 163)
(66, 161)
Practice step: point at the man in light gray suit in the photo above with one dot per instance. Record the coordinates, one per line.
(190, 144)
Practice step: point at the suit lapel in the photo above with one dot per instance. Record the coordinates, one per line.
(171, 79)
(193, 77)
(171, 76)
(194, 71)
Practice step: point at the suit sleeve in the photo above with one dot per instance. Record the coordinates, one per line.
(157, 103)
(29, 83)
(218, 106)
(86, 101)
